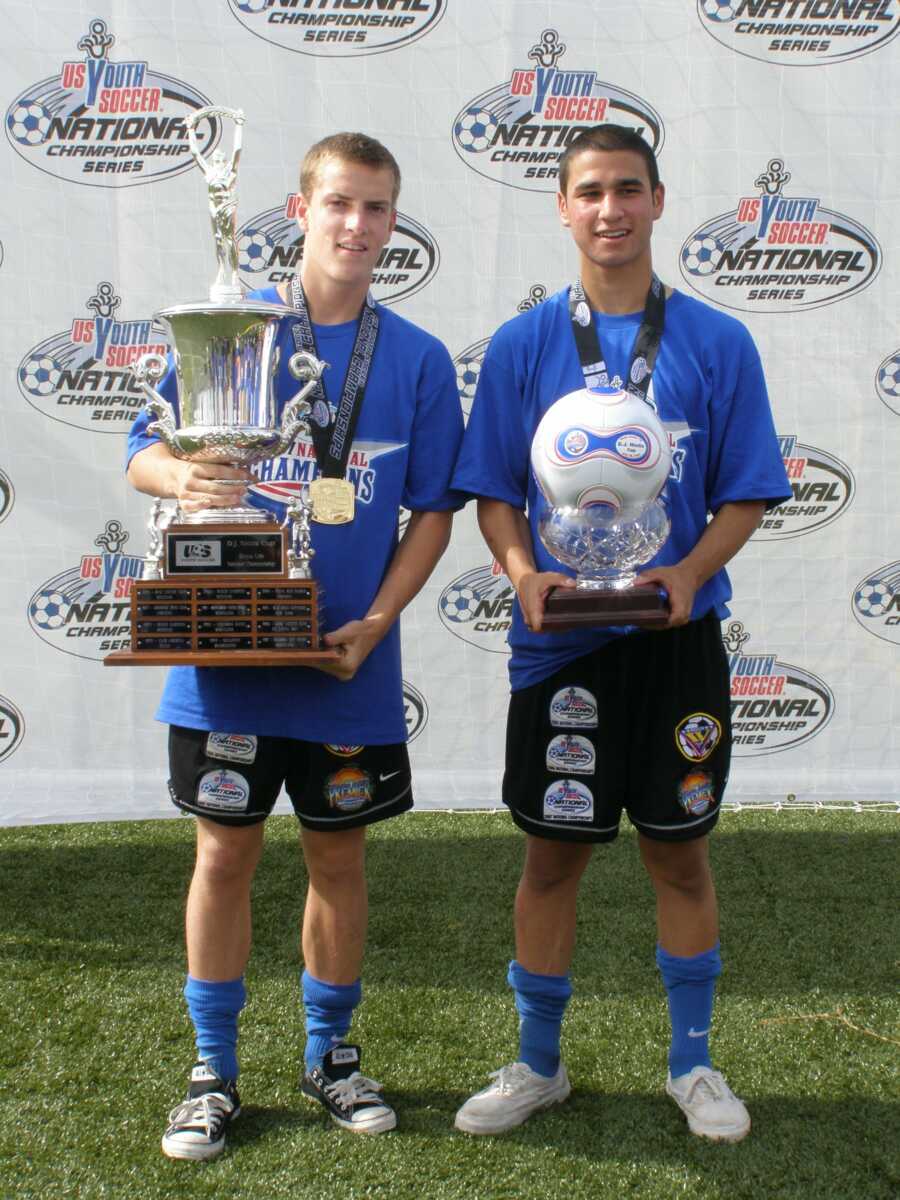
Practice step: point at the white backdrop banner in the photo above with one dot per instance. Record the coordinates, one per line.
(775, 122)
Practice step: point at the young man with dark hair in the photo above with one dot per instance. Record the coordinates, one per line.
(333, 736)
(652, 708)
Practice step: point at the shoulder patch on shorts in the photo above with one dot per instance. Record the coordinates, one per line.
(568, 800)
(224, 790)
(696, 793)
(569, 753)
(697, 736)
(232, 747)
(573, 708)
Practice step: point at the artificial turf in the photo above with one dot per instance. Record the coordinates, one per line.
(95, 1045)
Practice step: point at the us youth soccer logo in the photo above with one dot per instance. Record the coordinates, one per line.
(339, 28)
(106, 123)
(477, 607)
(84, 610)
(570, 754)
(12, 728)
(887, 382)
(415, 710)
(568, 800)
(801, 33)
(779, 253)
(468, 362)
(516, 131)
(270, 249)
(774, 706)
(82, 376)
(280, 480)
(823, 487)
(7, 496)
(876, 603)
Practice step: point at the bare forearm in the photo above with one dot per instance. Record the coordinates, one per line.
(506, 531)
(424, 541)
(508, 534)
(723, 537)
(155, 471)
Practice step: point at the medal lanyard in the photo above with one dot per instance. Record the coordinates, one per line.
(333, 439)
(643, 352)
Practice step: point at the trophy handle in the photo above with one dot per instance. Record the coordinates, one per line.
(294, 416)
(147, 371)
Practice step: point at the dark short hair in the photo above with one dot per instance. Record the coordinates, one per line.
(349, 147)
(608, 137)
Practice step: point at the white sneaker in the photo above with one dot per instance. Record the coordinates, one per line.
(516, 1093)
(712, 1109)
(197, 1127)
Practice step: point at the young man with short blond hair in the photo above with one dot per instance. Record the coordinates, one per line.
(334, 736)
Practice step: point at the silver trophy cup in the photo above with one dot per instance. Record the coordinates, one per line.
(225, 355)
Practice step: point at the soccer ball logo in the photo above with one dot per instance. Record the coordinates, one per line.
(701, 255)
(459, 603)
(873, 598)
(467, 372)
(889, 377)
(254, 6)
(719, 10)
(48, 610)
(254, 250)
(40, 375)
(29, 123)
(475, 130)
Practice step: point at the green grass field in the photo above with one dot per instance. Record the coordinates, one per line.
(95, 1044)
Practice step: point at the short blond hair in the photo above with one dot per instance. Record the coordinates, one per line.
(349, 147)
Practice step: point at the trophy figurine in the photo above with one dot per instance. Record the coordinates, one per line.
(232, 586)
(601, 459)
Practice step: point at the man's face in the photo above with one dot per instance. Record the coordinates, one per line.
(347, 220)
(610, 207)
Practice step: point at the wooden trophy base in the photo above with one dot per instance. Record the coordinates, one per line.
(567, 608)
(202, 615)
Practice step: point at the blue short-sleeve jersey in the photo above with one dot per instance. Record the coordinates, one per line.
(710, 394)
(404, 448)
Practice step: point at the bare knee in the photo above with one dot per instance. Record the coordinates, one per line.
(227, 856)
(682, 867)
(552, 865)
(334, 860)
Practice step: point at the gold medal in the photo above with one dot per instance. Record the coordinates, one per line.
(332, 501)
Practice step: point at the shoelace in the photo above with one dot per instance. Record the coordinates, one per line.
(354, 1088)
(510, 1077)
(209, 1111)
(712, 1084)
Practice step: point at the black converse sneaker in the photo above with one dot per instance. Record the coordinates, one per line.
(197, 1126)
(350, 1099)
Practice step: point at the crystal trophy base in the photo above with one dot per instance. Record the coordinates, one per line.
(225, 598)
(605, 551)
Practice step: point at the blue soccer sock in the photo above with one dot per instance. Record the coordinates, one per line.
(690, 987)
(541, 1002)
(214, 1009)
(329, 1011)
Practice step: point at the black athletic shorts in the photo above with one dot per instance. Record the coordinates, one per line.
(643, 723)
(235, 779)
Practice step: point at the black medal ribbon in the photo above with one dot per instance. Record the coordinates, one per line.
(643, 352)
(333, 439)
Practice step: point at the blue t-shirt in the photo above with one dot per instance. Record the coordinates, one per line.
(404, 448)
(710, 394)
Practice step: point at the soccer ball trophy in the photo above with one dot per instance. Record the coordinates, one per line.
(601, 459)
